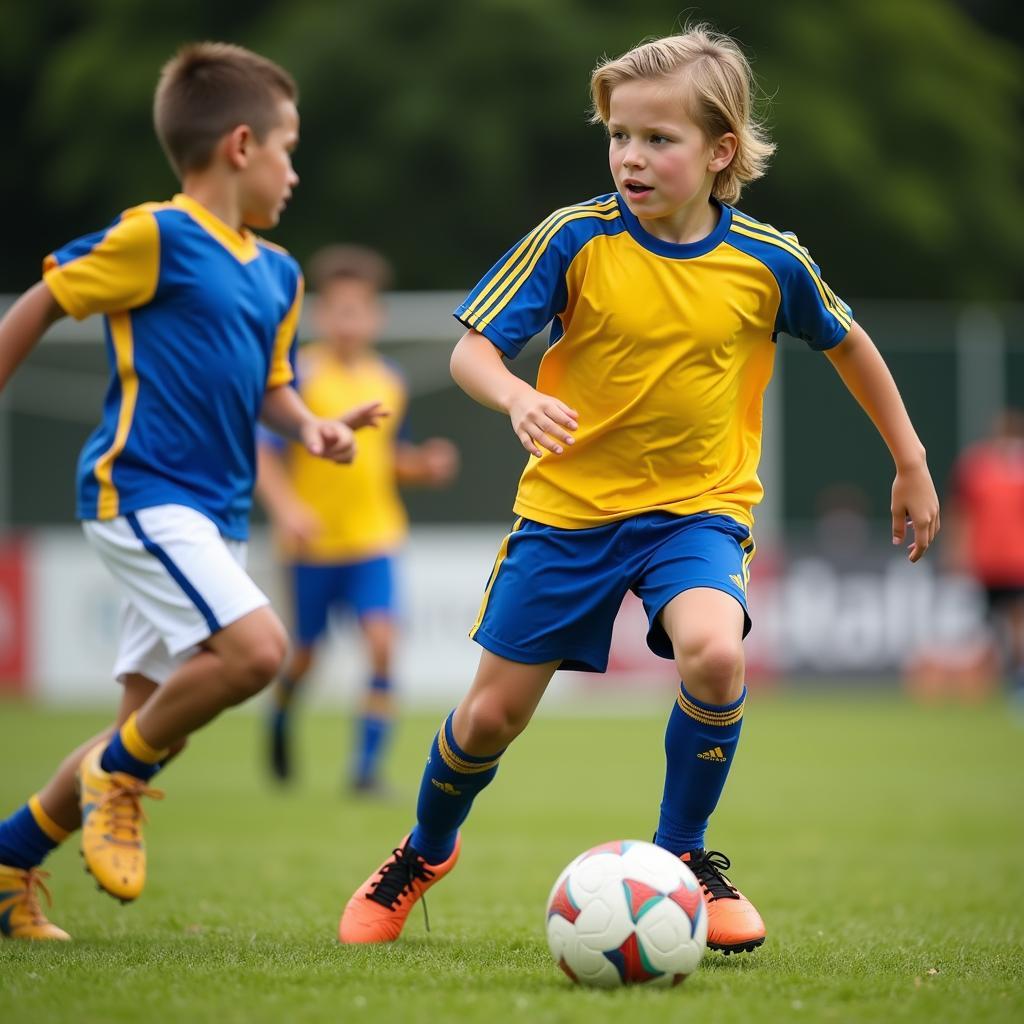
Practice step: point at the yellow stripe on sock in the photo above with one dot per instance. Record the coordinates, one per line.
(137, 746)
(460, 764)
(45, 822)
(706, 717)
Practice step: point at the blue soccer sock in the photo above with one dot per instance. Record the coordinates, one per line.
(700, 742)
(28, 836)
(283, 697)
(373, 729)
(451, 781)
(128, 752)
(284, 694)
(372, 736)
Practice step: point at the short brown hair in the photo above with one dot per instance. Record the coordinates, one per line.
(720, 84)
(206, 90)
(349, 263)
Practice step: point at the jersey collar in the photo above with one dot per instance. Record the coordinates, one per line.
(678, 250)
(241, 245)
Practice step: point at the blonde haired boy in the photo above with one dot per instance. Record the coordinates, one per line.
(644, 432)
(200, 316)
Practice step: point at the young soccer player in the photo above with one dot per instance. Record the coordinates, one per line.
(200, 318)
(339, 530)
(988, 534)
(645, 432)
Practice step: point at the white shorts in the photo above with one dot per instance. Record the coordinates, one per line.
(182, 582)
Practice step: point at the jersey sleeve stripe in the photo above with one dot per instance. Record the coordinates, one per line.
(525, 250)
(789, 241)
(828, 298)
(513, 281)
(124, 349)
(280, 365)
(521, 251)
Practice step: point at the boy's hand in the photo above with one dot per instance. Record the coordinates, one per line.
(296, 525)
(335, 439)
(914, 500)
(369, 414)
(329, 439)
(542, 420)
(440, 461)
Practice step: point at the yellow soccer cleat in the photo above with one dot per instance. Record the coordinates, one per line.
(21, 917)
(112, 818)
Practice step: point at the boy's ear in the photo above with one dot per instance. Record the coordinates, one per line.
(237, 144)
(722, 152)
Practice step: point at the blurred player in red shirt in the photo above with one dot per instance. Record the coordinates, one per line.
(988, 541)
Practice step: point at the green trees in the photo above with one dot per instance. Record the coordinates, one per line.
(442, 132)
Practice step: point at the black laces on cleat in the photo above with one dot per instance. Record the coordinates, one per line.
(397, 877)
(708, 866)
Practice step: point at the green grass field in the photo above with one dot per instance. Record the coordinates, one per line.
(883, 843)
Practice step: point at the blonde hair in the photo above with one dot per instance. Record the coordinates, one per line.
(208, 89)
(721, 84)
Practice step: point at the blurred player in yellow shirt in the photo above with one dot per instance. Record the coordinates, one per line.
(339, 532)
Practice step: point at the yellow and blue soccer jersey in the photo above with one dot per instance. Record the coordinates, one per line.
(358, 505)
(663, 349)
(200, 321)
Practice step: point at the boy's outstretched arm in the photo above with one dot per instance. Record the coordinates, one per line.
(868, 379)
(478, 368)
(285, 413)
(431, 463)
(25, 323)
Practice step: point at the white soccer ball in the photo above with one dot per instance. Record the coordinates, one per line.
(627, 913)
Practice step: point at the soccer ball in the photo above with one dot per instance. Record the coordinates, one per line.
(627, 913)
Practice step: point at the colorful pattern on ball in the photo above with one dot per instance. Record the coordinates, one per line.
(626, 913)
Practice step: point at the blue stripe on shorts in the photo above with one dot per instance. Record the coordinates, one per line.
(176, 574)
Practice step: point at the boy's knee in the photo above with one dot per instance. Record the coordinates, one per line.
(491, 724)
(712, 669)
(252, 669)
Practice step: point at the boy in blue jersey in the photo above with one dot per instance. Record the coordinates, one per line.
(200, 319)
(644, 430)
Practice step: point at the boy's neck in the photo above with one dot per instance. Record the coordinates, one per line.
(347, 358)
(217, 194)
(690, 223)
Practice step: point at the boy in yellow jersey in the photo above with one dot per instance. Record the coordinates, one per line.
(339, 531)
(200, 317)
(645, 431)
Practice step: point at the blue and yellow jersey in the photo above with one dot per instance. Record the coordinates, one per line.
(199, 322)
(663, 349)
(359, 508)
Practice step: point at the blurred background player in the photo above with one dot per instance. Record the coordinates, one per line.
(987, 540)
(200, 318)
(338, 532)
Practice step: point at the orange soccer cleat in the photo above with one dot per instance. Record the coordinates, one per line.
(112, 818)
(734, 925)
(379, 907)
(21, 917)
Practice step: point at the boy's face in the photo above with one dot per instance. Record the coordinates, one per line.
(659, 158)
(349, 315)
(268, 176)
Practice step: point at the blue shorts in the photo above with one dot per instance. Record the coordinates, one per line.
(553, 594)
(364, 587)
